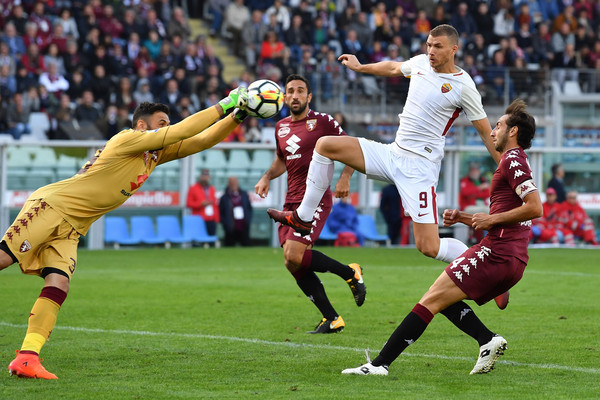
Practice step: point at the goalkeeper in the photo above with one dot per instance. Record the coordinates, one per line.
(43, 238)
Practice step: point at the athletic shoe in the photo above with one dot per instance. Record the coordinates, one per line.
(359, 290)
(330, 325)
(291, 219)
(502, 300)
(366, 369)
(237, 98)
(489, 354)
(29, 366)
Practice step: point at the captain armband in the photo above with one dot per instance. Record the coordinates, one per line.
(524, 188)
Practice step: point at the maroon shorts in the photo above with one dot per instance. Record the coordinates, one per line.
(320, 216)
(483, 274)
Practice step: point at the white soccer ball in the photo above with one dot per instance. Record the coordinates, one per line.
(265, 99)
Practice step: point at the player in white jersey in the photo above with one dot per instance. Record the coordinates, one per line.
(439, 91)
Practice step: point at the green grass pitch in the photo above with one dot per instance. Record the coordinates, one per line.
(230, 324)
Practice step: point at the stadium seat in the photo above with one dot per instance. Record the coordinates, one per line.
(366, 226)
(169, 227)
(195, 228)
(142, 229)
(326, 233)
(116, 232)
(239, 163)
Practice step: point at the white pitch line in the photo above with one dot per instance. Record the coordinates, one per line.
(305, 345)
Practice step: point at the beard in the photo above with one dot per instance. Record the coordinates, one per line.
(298, 109)
(501, 142)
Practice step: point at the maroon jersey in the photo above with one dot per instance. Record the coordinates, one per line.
(296, 142)
(512, 181)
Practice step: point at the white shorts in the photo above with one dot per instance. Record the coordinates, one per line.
(415, 177)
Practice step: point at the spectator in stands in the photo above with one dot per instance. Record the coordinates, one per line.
(561, 38)
(296, 38)
(364, 35)
(504, 20)
(58, 38)
(478, 50)
(87, 110)
(77, 84)
(253, 34)
(484, 22)
(33, 60)
(549, 228)
(111, 122)
(15, 43)
(422, 25)
(179, 25)
(236, 214)
(439, 16)
(390, 207)
(253, 132)
(567, 16)
(53, 56)
(171, 97)
(123, 96)
(566, 65)
(153, 44)
(31, 100)
(542, 44)
(271, 50)
(282, 15)
(576, 219)
(68, 24)
(142, 92)
(8, 83)
(39, 18)
(3, 115)
(202, 201)
(18, 19)
(344, 218)
(217, 9)
(556, 182)
(63, 113)
(473, 188)
(549, 9)
(236, 16)
(17, 117)
(101, 85)
(131, 24)
(153, 23)
(463, 22)
(53, 81)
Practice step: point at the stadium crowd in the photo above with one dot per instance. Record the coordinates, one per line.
(96, 60)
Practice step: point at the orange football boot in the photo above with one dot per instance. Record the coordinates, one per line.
(29, 366)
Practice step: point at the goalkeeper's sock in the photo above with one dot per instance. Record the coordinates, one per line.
(42, 318)
(320, 174)
(238, 97)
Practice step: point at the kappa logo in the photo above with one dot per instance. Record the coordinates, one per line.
(311, 124)
(25, 246)
(446, 87)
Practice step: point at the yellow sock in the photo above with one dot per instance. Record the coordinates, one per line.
(41, 322)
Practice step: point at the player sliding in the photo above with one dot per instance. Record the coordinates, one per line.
(43, 238)
(296, 136)
(487, 269)
(438, 92)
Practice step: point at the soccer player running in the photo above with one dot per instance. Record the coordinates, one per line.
(490, 267)
(438, 92)
(43, 238)
(296, 136)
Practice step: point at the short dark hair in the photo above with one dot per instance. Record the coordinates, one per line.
(519, 117)
(555, 168)
(445, 30)
(298, 77)
(146, 109)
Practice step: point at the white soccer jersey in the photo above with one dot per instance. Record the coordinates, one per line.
(434, 101)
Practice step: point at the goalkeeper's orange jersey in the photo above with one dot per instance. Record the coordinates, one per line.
(115, 173)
